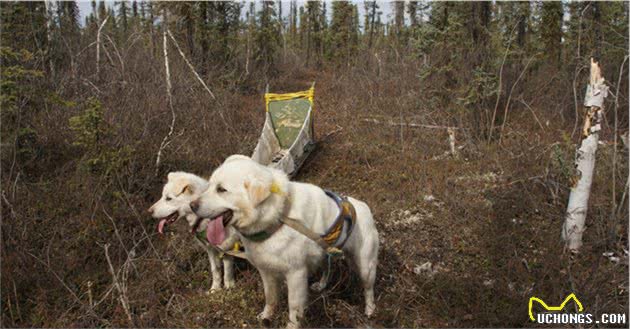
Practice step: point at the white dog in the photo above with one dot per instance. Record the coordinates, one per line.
(180, 189)
(253, 199)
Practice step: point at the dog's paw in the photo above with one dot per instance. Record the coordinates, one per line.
(264, 318)
(318, 287)
(293, 325)
(369, 309)
(229, 284)
(265, 315)
(215, 288)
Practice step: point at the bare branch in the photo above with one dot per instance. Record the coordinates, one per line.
(192, 69)
(507, 103)
(500, 86)
(121, 287)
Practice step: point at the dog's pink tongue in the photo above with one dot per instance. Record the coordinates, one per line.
(161, 226)
(215, 232)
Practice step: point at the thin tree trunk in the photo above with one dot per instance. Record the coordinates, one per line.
(169, 88)
(613, 209)
(573, 227)
(372, 16)
(49, 27)
(98, 48)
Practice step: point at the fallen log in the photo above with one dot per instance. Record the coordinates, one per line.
(410, 124)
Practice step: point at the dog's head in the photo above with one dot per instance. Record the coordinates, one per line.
(180, 189)
(244, 194)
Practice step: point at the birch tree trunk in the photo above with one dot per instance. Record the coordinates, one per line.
(49, 28)
(573, 227)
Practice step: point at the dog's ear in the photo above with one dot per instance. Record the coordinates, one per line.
(189, 189)
(172, 175)
(257, 190)
(236, 157)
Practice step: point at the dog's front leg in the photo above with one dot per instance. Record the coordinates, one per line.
(270, 285)
(228, 271)
(297, 284)
(215, 267)
(215, 264)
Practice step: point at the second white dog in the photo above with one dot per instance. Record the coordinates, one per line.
(180, 189)
(252, 198)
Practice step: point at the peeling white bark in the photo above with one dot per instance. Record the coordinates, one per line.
(573, 227)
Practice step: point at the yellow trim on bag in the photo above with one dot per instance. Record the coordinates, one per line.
(308, 94)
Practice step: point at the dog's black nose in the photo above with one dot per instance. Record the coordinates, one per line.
(194, 205)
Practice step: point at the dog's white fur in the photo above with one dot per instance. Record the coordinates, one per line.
(180, 189)
(287, 254)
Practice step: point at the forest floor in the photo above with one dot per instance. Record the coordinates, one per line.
(466, 240)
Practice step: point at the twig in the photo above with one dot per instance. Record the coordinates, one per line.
(533, 113)
(17, 303)
(4, 197)
(89, 83)
(122, 291)
(402, 139)
(339, 128)
(620, 207)
(72, 293)
(122, 63)
(507, 103)
(139, 218)
(118, 236)
(10, 310)
(84, 49)
(109, 57)
(500, 87)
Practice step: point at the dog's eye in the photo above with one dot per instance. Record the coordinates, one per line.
(168, 198)
(220, 189)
